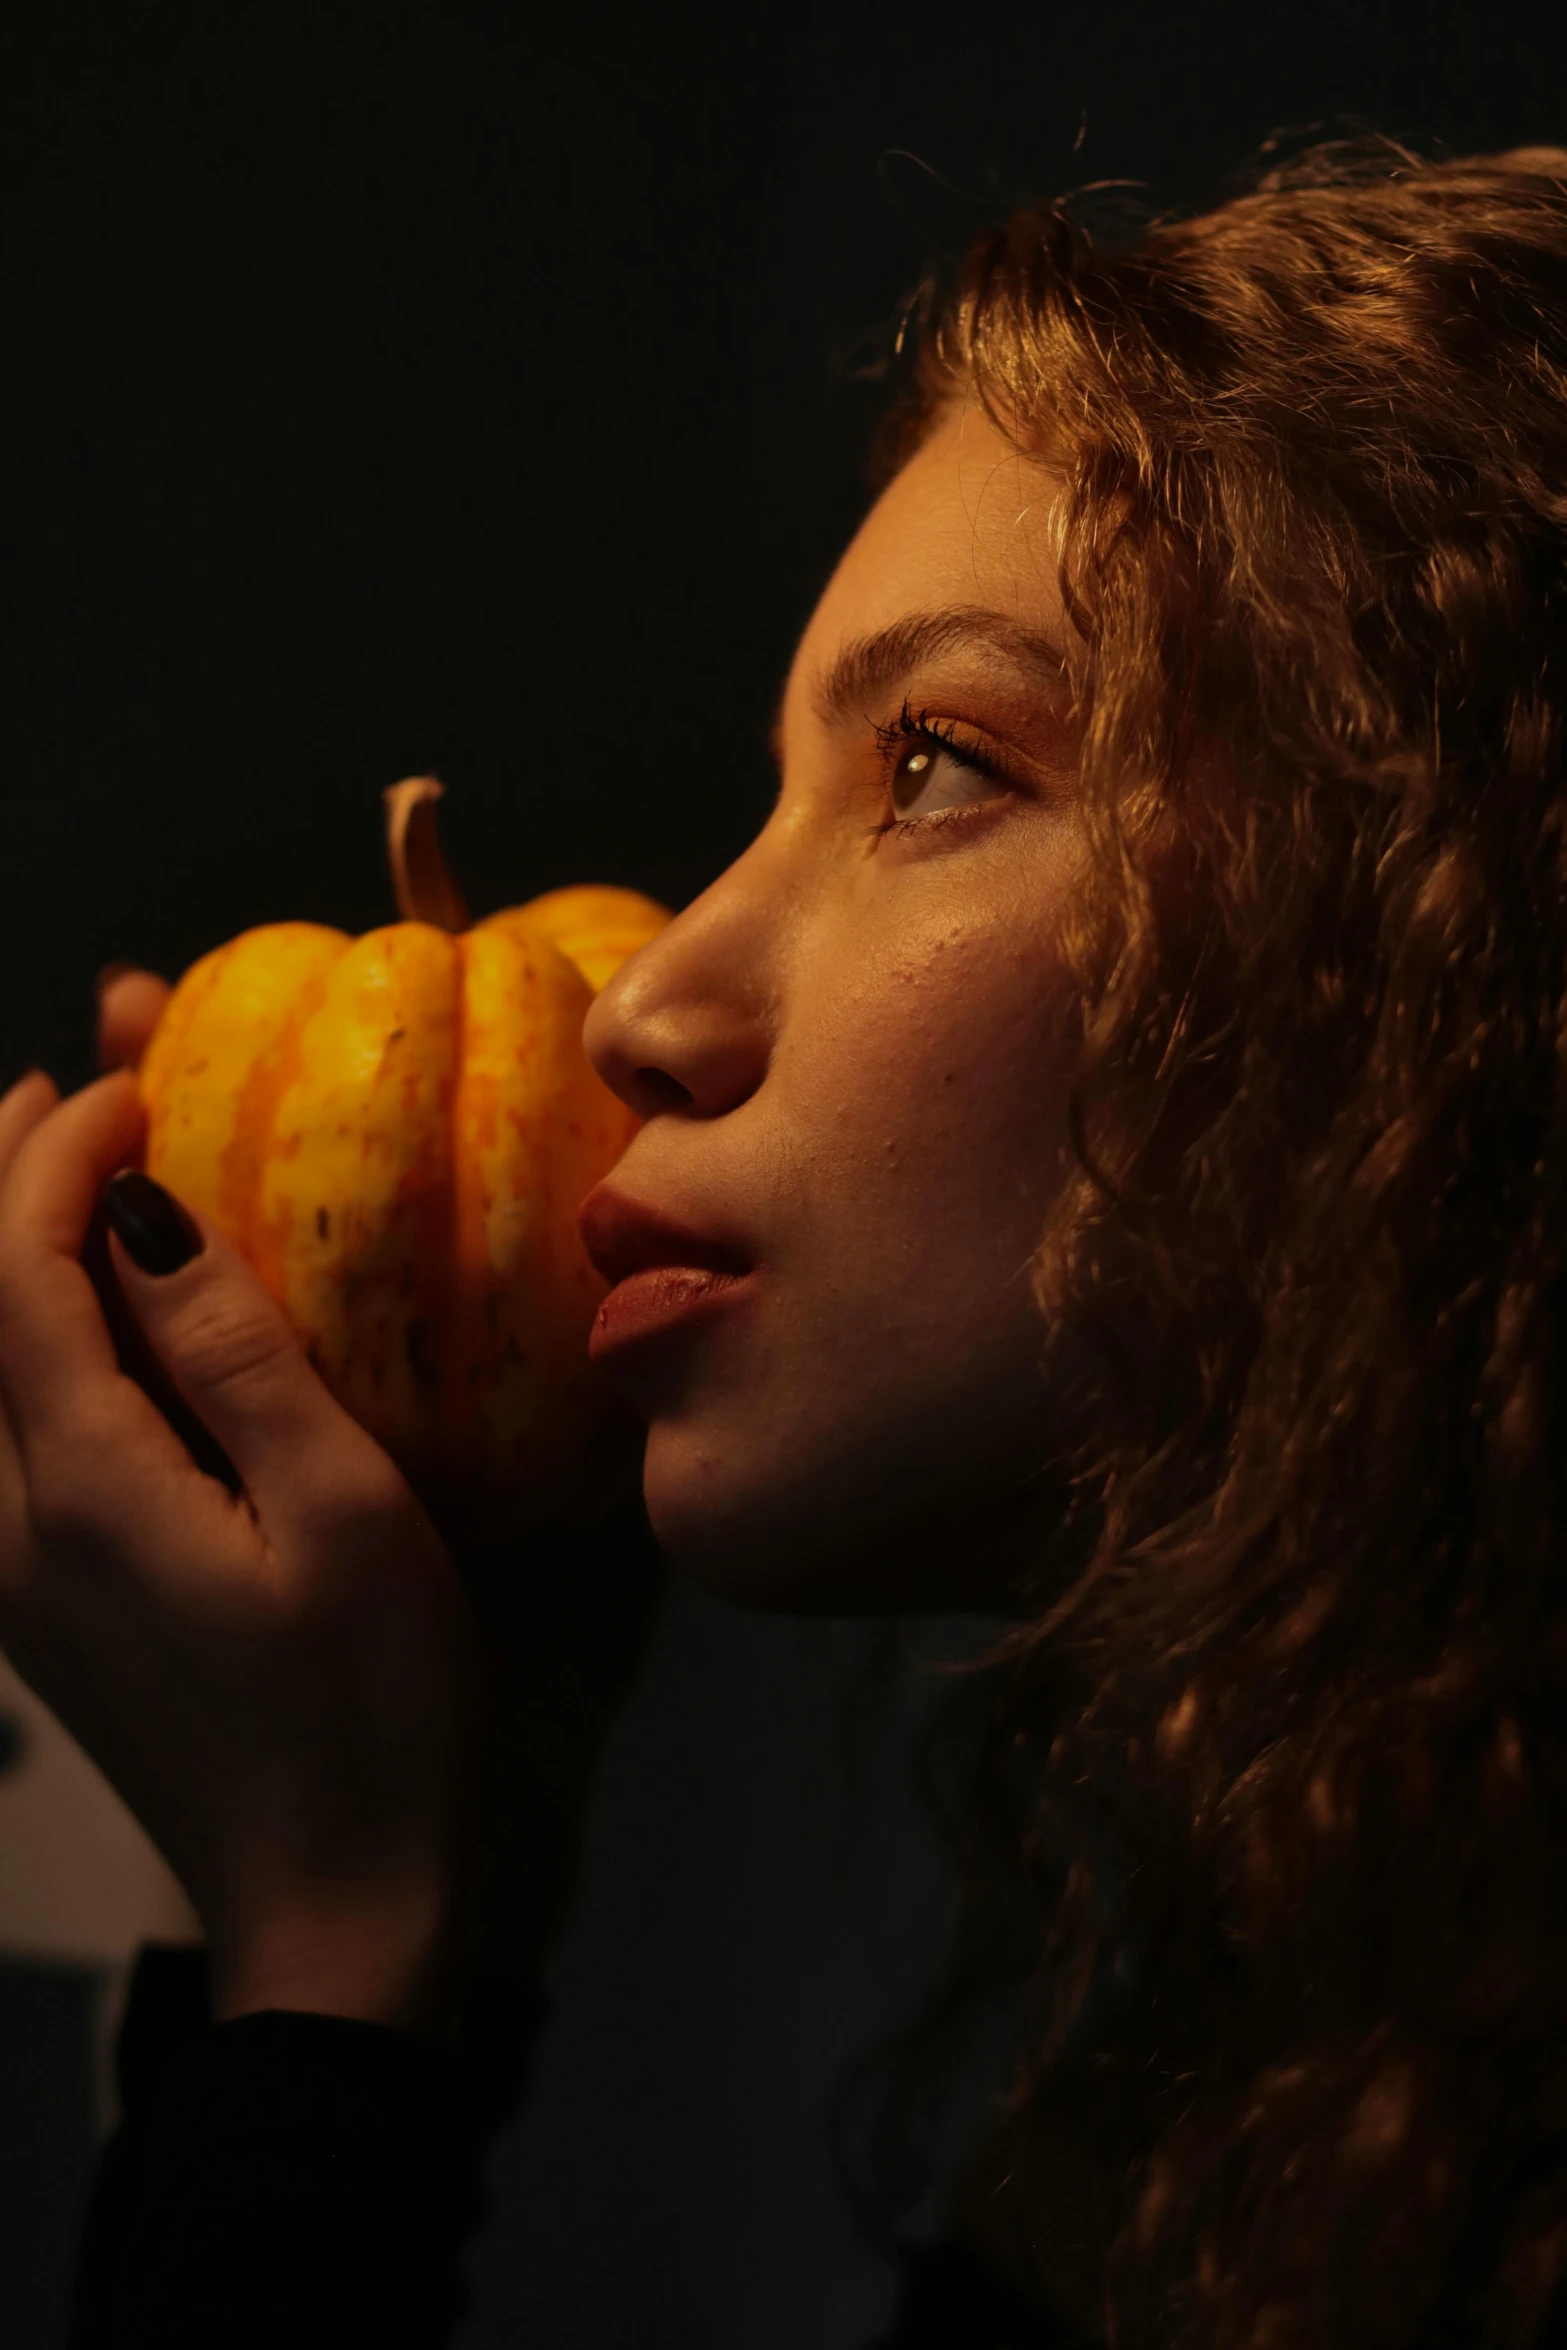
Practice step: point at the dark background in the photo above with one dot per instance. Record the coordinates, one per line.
(474, 388)
(481, 389)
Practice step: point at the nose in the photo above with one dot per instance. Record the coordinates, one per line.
(687, 1024)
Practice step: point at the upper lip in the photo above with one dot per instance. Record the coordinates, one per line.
(624, 1236)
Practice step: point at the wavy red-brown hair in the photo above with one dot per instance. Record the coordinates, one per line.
(1301, 1724)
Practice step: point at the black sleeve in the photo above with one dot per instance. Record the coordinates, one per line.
(309, 2180)
(288, 2178)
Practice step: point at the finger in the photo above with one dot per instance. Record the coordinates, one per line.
(29, 1100)
(55, 1348)
(130, 1005)
(235, 1359)
(59, 1368)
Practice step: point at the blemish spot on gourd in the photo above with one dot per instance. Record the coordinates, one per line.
(323, 1224)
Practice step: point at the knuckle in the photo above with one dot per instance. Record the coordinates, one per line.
(378, 1484)
(225, 1342)
(365, 1499)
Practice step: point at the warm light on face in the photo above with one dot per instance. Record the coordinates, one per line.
(869, 1030)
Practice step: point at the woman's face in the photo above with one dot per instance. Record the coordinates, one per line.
(852, 1054)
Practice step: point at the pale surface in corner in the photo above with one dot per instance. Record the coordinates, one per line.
(80, 1881)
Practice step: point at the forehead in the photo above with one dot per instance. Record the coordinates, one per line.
(968, 523)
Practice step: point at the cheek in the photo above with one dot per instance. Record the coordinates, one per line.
(918, 1114)
(934, 1092)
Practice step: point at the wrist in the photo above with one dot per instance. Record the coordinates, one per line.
(379, 1954)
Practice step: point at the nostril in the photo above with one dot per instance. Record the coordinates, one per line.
(662, 1091)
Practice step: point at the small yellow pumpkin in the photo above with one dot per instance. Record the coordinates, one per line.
(397, 1131)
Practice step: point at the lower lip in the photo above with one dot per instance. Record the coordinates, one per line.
(665, 1296)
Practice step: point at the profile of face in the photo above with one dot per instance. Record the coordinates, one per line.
(852, 1054)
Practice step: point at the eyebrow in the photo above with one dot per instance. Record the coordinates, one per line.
(866, 666)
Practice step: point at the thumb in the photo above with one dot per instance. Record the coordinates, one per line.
(230, 1352)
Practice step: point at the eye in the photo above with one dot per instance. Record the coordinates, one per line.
(930, 777)
(929, 772)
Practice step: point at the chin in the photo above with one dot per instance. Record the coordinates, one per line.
(739, 1548)
(830, 1552)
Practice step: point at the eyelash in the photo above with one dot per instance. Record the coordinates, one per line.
(921, 726)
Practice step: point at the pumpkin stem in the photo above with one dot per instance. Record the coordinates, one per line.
(421, 876)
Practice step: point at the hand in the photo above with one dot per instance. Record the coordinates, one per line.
(280, 1681)
(562, 1632)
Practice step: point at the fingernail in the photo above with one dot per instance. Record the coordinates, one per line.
(110, 973)
(20, 1076)
(156, 1232)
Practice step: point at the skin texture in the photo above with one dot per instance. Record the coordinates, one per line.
(852, 1054)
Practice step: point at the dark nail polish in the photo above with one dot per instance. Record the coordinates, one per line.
(156, 1232)
(12, 1744)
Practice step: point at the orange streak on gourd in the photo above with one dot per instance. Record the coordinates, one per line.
(535, 1128)
(356, 1191)
(222, 1054)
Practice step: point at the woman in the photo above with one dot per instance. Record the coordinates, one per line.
(1123, 1094)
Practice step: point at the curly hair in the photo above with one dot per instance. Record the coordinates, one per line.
(1301, 1724)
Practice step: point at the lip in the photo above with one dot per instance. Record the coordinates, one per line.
(647, 1304)
(662, 1273)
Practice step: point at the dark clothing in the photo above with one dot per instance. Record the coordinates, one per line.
(311, 2180)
